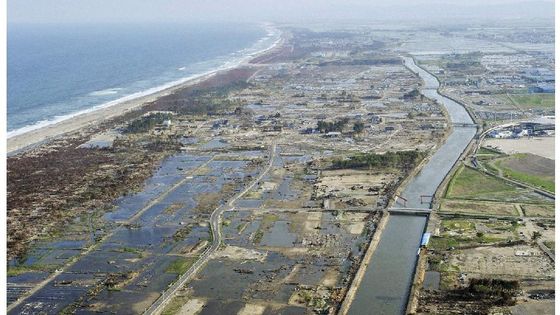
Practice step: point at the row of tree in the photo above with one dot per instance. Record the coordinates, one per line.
(329, 126)
(401, 159)
(325, 126)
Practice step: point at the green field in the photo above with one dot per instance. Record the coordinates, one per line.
(533, 180)
(536, 100)
(464, 232)
(518, 169)
(530, 179)
(473, 185)
(486, 153)
(468, 183)
(181, 265)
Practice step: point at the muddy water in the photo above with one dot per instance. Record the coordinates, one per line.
(386, 283)
(282, 269)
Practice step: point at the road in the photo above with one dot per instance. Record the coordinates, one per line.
(215, 224)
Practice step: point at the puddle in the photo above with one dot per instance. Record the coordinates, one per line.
(279, 235)
(431, 280)
(215, 143)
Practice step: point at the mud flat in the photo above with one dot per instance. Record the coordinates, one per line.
(543, 146)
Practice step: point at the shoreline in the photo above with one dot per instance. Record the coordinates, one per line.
(24, 141)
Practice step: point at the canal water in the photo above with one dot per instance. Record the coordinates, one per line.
(386, 283)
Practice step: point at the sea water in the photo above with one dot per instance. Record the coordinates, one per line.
(56, 71)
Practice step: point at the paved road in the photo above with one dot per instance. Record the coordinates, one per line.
(215, 223)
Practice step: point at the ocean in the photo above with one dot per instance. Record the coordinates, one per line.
(58, 71)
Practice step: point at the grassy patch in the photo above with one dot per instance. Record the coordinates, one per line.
(487, 153)
(269, 219)
(469, 183)
(181, 265)
(535, 100)
(535, 210)
(491, 167)
(258, 237)
(21, 269)
(487, 239)
(182, 233)
(175, 305)
(458, 225)
(550, 245)
(131, 250)
(504, 226)
(241, 227)
(533, 180)
(171, 209)
(527, 168)
(445, 242)
(463, 232)
(253, 195)
(267, 222)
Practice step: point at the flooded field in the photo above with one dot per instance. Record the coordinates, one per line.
(285, 262)
(288, 185)
(121, 260)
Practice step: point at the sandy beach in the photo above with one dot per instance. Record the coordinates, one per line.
(18, 143)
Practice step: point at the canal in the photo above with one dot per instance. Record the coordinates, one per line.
(386, 283)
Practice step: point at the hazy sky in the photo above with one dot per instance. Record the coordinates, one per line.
(94, 11)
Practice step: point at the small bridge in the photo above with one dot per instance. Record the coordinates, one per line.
(411, 211)
(465, 125)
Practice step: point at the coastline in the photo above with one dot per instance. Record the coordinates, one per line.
(22, 142)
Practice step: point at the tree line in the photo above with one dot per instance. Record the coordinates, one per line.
(329, 126)
(400, 159)
(146, 123)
